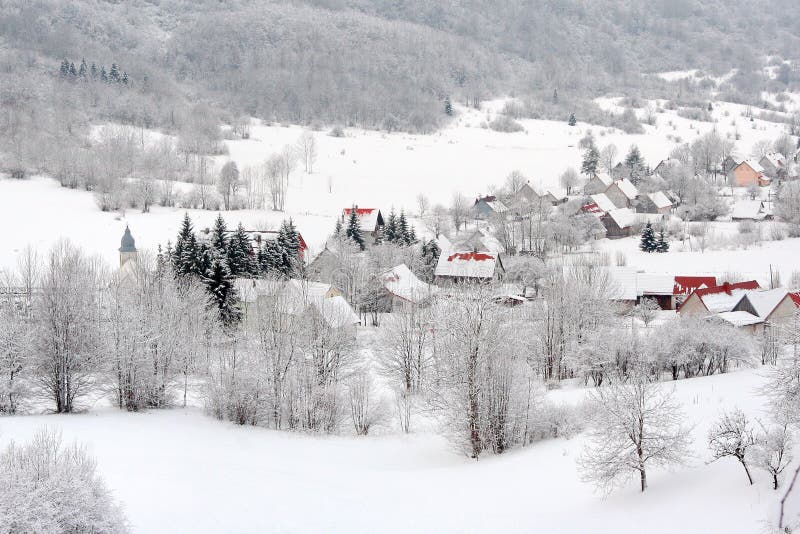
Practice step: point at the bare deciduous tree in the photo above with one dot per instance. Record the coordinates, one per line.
(732, 436)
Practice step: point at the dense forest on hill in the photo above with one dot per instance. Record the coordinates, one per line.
(190, 65)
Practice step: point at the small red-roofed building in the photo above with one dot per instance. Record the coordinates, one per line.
(469, 266)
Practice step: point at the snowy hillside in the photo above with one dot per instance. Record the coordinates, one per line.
(180, 471)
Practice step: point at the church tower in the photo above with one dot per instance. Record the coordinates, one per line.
(127, 249)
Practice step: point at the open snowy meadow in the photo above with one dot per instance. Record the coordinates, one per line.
(180, 471)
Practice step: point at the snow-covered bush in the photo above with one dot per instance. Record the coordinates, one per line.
(48, 487)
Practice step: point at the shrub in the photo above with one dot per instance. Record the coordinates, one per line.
(505, 124)
(47, 487)
(336, 131)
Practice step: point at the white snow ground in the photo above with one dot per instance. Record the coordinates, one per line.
(181, 471)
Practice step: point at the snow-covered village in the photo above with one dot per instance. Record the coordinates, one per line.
(362, 266)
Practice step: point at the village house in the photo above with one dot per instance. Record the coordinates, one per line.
(602, 201)
(370, 220)
(480, 240)
(656, 202)
(488, 206)
(618, 222)
(622, 193)
(598, 184)
(717, 299)
(748, 210)
(665, 166)
(765, 308)
(402, 289)
(774, 164)
(296, 297)
(748, 173)
(468, 266)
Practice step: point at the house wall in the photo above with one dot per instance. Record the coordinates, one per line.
(665, 302)
(618, 197)
(693, 306)
(594, 186)
(744, 176)
(783, 311)
(613, 231)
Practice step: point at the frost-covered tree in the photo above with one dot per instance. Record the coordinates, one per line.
(608, 157)
(228, 183)
(635, 164)
(569, 179)
(46, 486)
(353, 229)
(732, 436)
(68, 343)
(590, 162)
(648, 241)
(15, 361)
(219, 283)
(635, 427)
(773, 451)
(307, 148)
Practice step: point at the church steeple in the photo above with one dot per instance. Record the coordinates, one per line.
(127, 249)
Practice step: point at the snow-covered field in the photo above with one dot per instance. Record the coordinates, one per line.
(371, 169)
(181, 471)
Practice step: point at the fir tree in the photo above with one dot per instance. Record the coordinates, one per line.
(219, 283)
(555, 101)
(572, 121)
(591, 161)
(430, 257)
(83, 69)
(663, 244)
(635, 164)
(124, 78)
(648, 242)
(103, 75)
(219, 237)
(93, 71)
(203, 260)
(72, 70)
(113, 74)
(353, 231)
(390, 230)
(183, 256)
(270, 258)
(337, 229)
(240, 253)
(448, 106)
(402, 229)
(289, 244)
(64, 70)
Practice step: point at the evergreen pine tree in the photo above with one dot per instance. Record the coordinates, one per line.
(64, 70)
(648, 242)
(337, 229)
(448, 106)
(93, 71)
(219, 236)
(663, 244)
(572, 121)
(82, 71)
(72, 70)
(103, 75)
(591, 161)
(124, 78)
(353, 231)
(635, 164)
(555, 101)
(219, 283)
(113, 74)
(203, 259)
(240, 254)
(270, 259)
(390, 229)
(403, 233)
(183, 256)
(412, 234)
(289, 244)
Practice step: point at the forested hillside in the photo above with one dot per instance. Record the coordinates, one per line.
(188, 66)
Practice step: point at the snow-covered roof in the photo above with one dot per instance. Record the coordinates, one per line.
(747, 209)
(756, 166)
(478, 240)
(623, 217)
(624, 283)
(627, 188)
(765, 302)
(603, 202)
(311, 289)
(467, 264)
(497, 206)
(739, 318)
(605, 178)
(367, 217)
(725, 297)
(401, 282)
(659, 199)
(776, 158)
(655, 284)
(335, 311)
